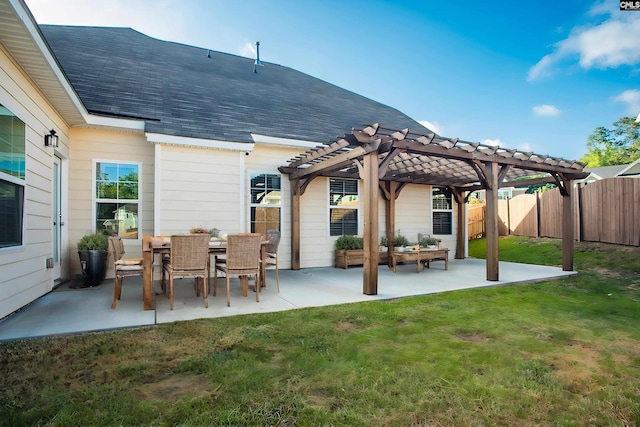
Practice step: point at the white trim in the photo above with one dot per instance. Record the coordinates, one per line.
(283, 142)
(25, 16)
(434, 210)
(629, 166)
(159, 138)
(242, 193)
(251, 172)
(157, 179)
(94, 198)
(23, 241)
(359, 211)
(113, 123)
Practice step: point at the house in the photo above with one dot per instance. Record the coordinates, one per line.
(107, 128)
(163, 136)
(631, 170)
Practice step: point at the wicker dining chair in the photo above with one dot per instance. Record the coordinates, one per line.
(189, 258)
(122, 267)
(242, 260)
(271, 258)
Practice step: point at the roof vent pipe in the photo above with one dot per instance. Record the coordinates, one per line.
(257, 63)
(208, 53)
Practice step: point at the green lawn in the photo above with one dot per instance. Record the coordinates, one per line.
(557, 353)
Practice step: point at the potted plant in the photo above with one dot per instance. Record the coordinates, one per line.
(399, 241)
(429, 242)
(92, 250)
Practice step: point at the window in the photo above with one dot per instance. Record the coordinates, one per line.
(442, 211)
(266, 200)
(12, 178)
(504, 193)
(343, 207)
(117, 202)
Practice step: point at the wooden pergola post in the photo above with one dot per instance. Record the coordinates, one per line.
(567, 226)
(295, 224)
(370, 204)
(461, 229)
(390, 219)
(491, 174)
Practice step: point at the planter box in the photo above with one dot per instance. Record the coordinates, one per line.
(345, 258)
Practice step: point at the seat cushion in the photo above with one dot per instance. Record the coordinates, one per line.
(129, 268)
(129, 261)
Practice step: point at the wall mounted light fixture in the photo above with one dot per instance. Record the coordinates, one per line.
(51, 139)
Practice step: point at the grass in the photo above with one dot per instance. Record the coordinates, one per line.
(559, 353)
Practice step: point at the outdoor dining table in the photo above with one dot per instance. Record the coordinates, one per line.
(155, 245)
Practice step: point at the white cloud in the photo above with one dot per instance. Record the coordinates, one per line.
(630, 97)
(162, 19)
(610, 44)
(493, 142)
(432, 126)
(247, 50)
(546, 110)
(525, 147)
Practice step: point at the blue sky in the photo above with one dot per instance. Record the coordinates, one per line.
(538, 76)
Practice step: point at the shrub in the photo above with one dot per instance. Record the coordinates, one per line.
(349, 242)
(400, 240)
(97, 241)
(428, 241)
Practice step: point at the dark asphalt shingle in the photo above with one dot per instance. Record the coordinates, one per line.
(179, 91)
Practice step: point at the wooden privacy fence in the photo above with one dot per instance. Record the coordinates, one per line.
(605, 211)
(476, 224)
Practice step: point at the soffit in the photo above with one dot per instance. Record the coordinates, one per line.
(21, 38)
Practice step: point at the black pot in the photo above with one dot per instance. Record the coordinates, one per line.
(94, 266)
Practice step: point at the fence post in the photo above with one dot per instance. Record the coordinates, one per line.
(537, 213)
(578, 194)
(508, 216)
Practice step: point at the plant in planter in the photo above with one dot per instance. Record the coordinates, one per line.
(399, 240)
(92, 250)
(350, 251)
(349, 243)
(213, 232)
(429, 242)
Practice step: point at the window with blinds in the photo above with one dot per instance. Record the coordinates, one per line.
(343, 207)
(266, 202)
(442, 211)
(12, 178)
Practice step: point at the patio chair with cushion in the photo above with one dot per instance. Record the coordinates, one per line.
(189, 259)
(122, 267)
(242, 260)
(273, 238)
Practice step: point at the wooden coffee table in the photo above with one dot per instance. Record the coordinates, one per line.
(419, 257)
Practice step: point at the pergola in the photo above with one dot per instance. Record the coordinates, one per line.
(387, 159)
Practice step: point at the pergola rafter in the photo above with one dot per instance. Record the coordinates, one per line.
(387, 159)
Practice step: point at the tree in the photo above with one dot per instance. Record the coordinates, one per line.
(617, 146)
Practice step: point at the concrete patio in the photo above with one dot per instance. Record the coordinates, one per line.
(75, 311)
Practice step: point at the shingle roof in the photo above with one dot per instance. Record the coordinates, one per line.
(607, 171)
(179, 90)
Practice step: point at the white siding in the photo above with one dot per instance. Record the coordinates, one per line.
(268, 160)
(23, 273)
(88, 146)
(316, 246)
(199, 188)
(413, 211)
